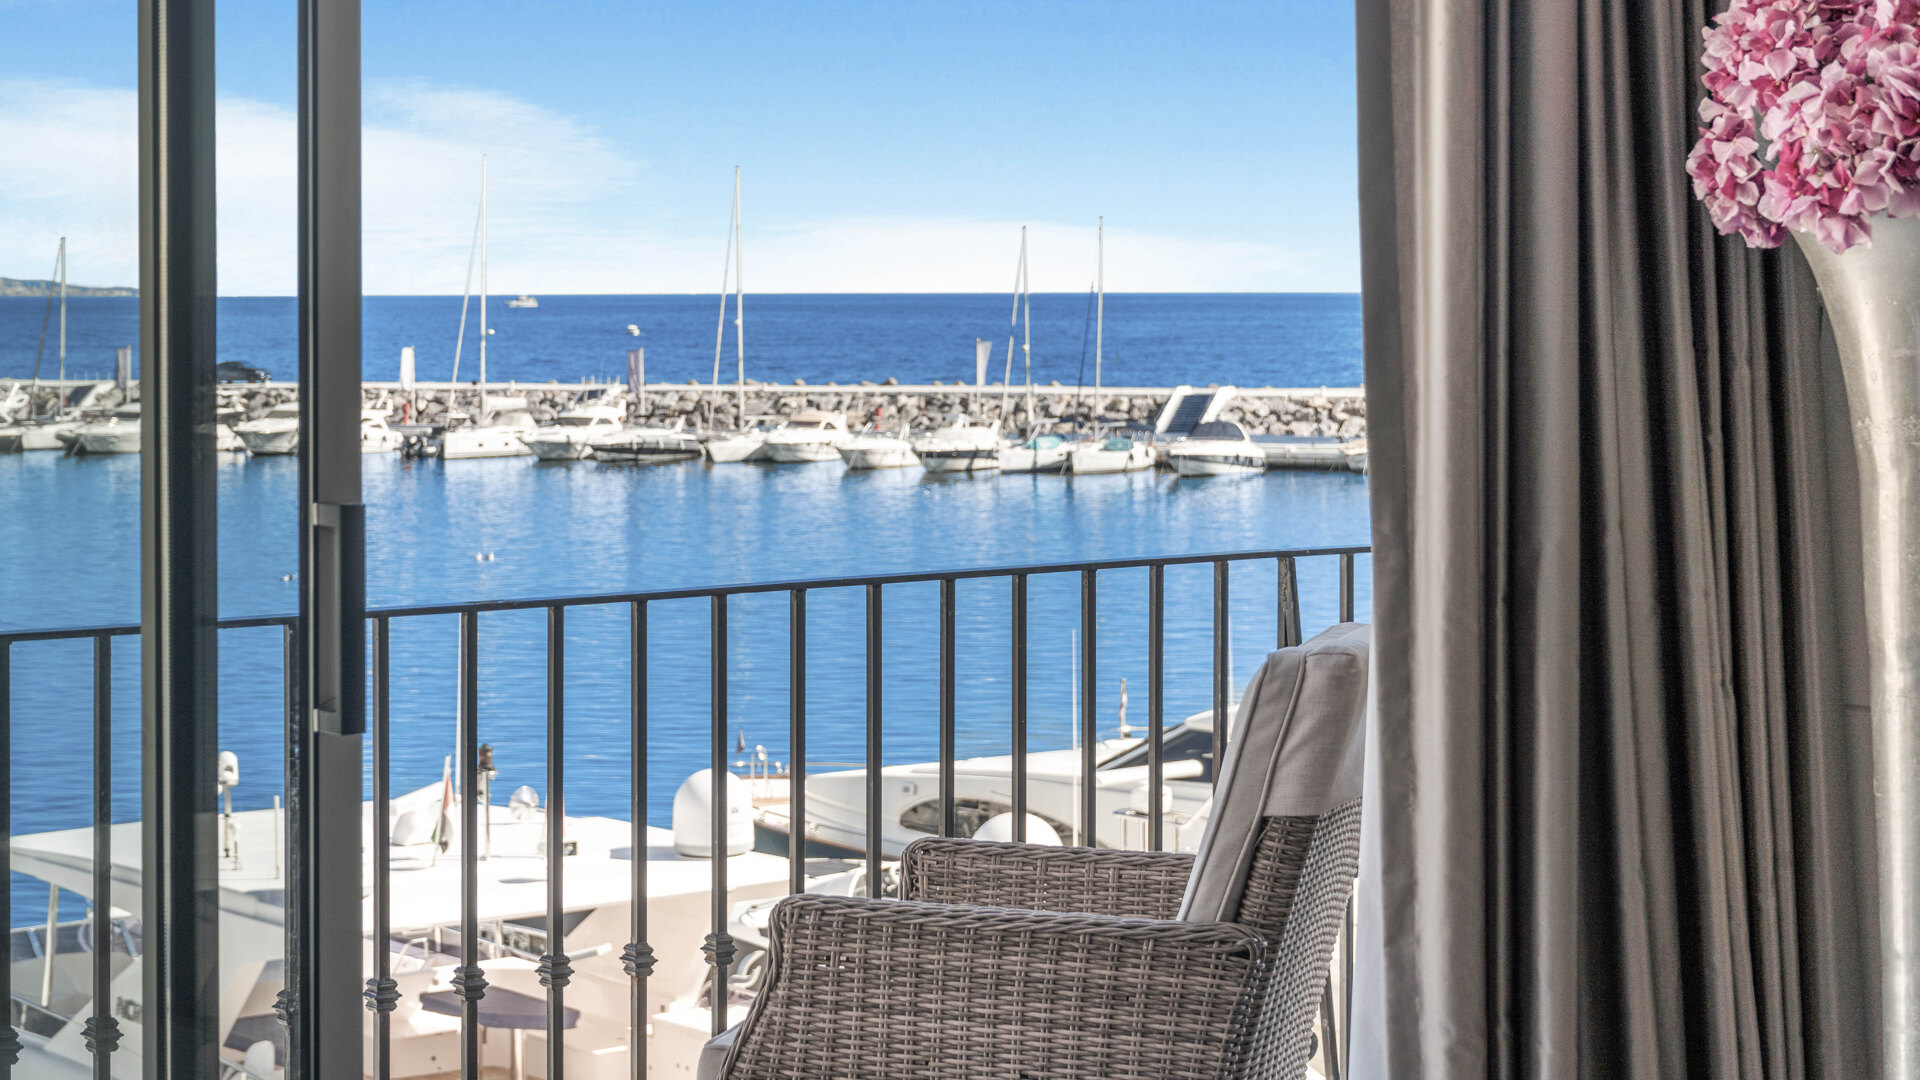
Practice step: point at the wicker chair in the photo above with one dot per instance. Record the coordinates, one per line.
(1025, 961)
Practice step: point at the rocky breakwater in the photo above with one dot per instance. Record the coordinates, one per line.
(1064, 409)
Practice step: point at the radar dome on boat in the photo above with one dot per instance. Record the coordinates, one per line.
(693, 816)
(999, 828)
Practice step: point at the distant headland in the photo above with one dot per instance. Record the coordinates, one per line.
(16, 287)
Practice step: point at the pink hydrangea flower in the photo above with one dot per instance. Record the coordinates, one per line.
(1811, 120)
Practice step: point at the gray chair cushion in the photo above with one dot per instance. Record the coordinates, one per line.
(713, 1056)
(1295, 749)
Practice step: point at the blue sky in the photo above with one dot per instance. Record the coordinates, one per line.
(884, 146)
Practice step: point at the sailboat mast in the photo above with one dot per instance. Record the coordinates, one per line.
(63, 320)
(720, 327)
(1013, 322)
(739, 309)
(483, 288)
(1100, 317)
(1026, 322)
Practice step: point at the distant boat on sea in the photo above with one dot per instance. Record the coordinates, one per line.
(523, 300)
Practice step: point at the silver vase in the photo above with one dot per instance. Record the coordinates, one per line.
(1872, 296)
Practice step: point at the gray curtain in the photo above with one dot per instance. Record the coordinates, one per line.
(1619, 818)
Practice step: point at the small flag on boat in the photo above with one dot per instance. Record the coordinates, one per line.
(982, 352)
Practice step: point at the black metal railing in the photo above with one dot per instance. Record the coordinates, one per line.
(555, 967)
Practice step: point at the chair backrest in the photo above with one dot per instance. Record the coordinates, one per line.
(1282, 842)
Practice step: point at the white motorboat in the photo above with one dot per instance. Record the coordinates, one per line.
(960, 447)
(119, 433)
(878, 450)
(524, 301)
(376, 437)
(1115, 453)
(748, 445)
(276, 433)
(52, 1014)
(1356, 452)
(812, 435)
(503, 431)
(1217, 448)
(1304, 451)
(575, 432)
(645, 444)
(1040, 454)
(910, 797)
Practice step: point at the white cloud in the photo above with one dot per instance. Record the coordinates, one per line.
(566, 212)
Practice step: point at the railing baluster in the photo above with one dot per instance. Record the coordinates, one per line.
(1019, 706)
(1346, 588)
(874, 755)
(102, 1033)
(797, 741)
(1221, 719)
(719, 946)
(1089, 702)
(638, 955)
(382, 993)
(9, 1040)
(469, 982)
(1287, 616)
(1156, 692)
(949, 815)
(555, 969)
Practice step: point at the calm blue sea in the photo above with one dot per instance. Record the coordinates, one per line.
(69, 539)
(1250, 339)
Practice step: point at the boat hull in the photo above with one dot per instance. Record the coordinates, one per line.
(463, 443)
(1093, 462)
(559, 449)
(1020, 459)
(35, 437)
(1221, 458)
(645, 455)
(107, 439)
(800, 453)
(878, 457)
(735, 448)
(270, 442)
(960, 461)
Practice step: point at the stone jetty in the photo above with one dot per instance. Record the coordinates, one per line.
(1340, 411)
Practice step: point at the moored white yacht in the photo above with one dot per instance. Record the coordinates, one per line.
(874, 449)
(812, 435)
(502, 431)
(910, 798)
(376, 437)
(424, 950)
(961, 446)
(575, 432)
(1216, 448)
(1040, 454)
(278, 432)
(1115, 453)
(650, 444)
(747, 445)
(119, 433)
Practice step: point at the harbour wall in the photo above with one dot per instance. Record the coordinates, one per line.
(1334, 411)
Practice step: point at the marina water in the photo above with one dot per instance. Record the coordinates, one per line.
(466, 530)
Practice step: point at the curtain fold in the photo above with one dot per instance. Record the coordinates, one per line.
(1619, 807)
